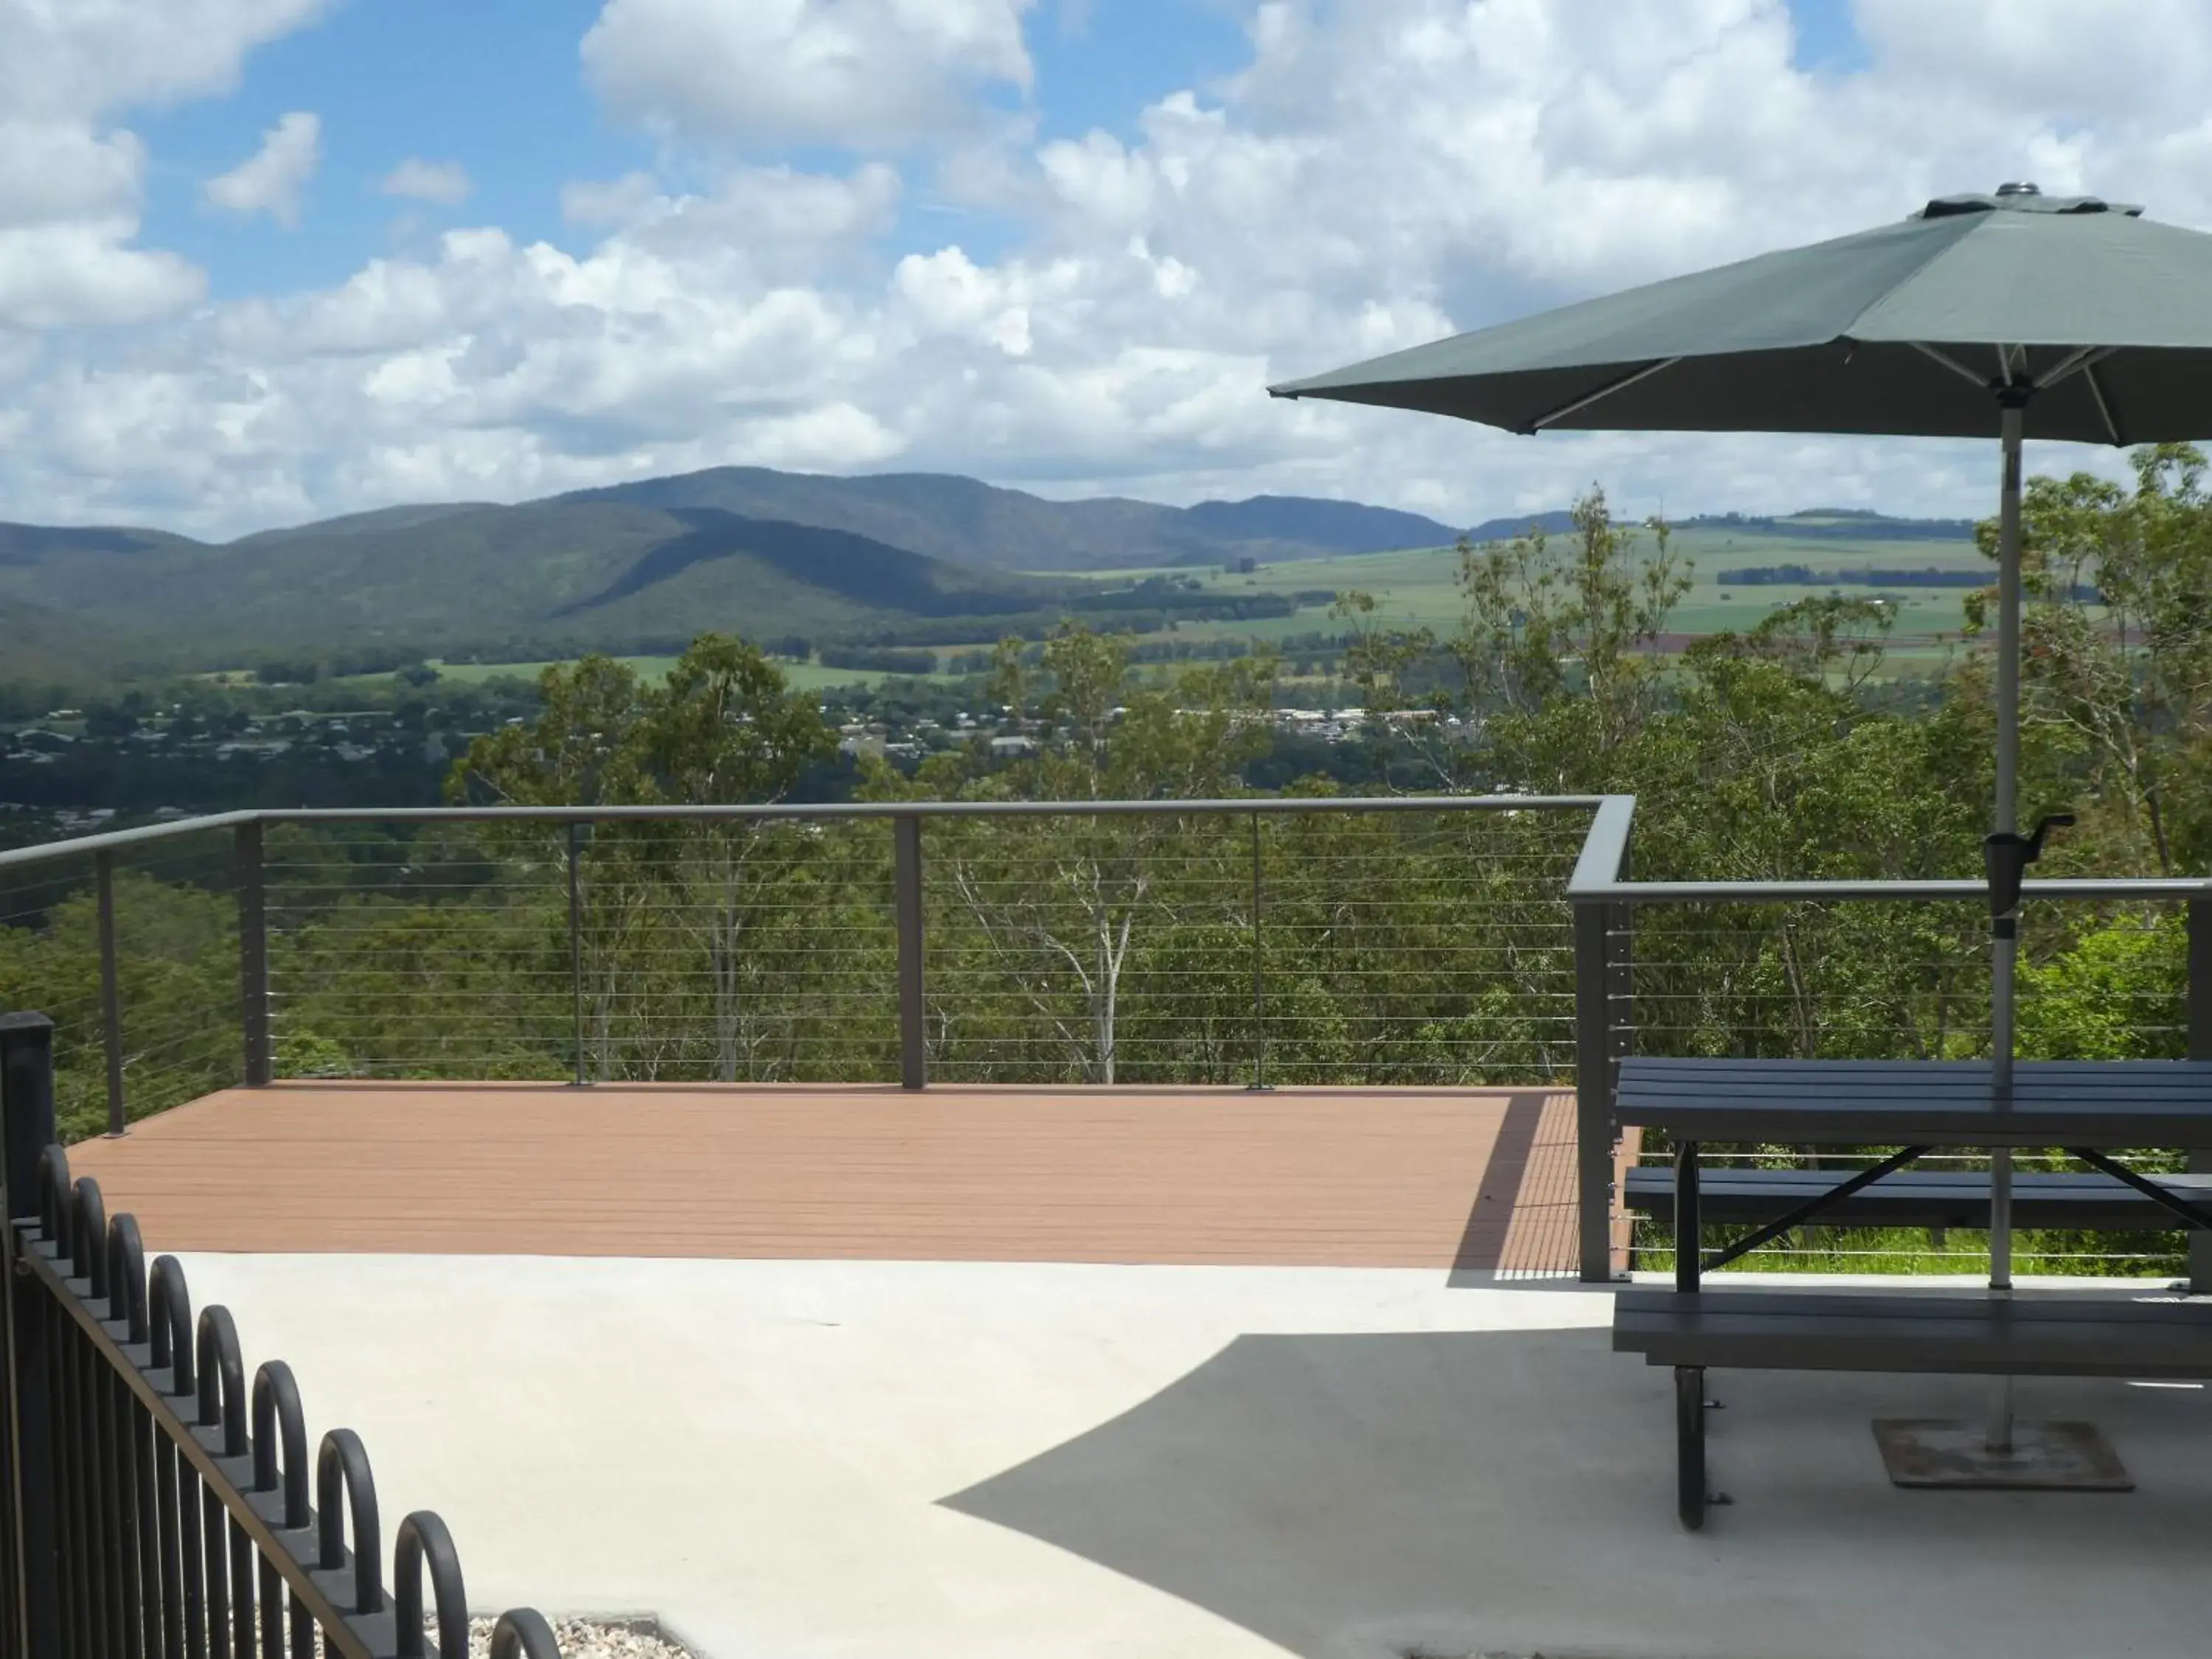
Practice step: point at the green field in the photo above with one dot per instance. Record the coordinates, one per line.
(1419, 587)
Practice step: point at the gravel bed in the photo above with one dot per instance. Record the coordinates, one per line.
(588, 1639)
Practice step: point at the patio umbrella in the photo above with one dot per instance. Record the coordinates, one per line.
(2006, 316)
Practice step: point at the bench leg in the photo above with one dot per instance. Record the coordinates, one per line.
(1690, 1445)
(1689, 1227)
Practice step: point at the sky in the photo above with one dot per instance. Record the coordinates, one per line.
(264, 261)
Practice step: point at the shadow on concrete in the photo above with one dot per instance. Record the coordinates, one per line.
(1482, 1242)
(1512, 1491)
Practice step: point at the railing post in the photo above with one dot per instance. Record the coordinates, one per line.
(906, 861)
(2199, 1020)
(26, 1128)
(576, 947)
(111, 1000)
(1259, 973)
(1621, 962)
(1593, 1091)
(253, 956)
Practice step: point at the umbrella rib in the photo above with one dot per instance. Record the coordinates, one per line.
(1951, 363)
(2104, 406)
(2072, 363)
(1606, 390)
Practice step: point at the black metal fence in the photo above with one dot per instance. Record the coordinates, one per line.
(157, 1505)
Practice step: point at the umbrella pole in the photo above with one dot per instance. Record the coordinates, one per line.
(2004, 943)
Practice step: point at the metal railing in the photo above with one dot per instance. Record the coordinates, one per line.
(151, 1501)
(1417, 939)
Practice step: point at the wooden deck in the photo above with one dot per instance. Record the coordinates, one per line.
(1479, 1180)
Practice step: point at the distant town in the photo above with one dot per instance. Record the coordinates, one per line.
(75, 770)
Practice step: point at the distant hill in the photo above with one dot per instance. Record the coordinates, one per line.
(1504, 530)
(25, 545)
(1310, 521)
(544, 577)
(884, 558)
(966, 521)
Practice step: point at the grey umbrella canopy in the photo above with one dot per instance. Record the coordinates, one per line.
(2008, 315)
(2105, 317)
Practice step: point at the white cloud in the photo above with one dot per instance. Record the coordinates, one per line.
(603, 203)
(81, 59)
(1376, 175)
(272, 179)
(851, 74)
(445, 183)
(70, 184)
(53, 275)
(52, 171)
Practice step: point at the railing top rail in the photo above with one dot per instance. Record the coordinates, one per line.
(47, 851)
(111, 839)
(1780, 892)
(941, 809)
(1596, 878)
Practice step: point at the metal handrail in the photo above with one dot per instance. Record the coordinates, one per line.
(108, 840)
(1776, 892)
(1596, 879)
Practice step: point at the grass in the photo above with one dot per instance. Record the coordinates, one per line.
(1915, 1251)
(1419, 587)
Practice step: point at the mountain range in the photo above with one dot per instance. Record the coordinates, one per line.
(641, 566)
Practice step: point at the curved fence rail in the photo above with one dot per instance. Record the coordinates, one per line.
(157, 1503)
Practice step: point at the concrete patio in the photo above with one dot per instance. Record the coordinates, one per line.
(990, 1374)
(790, 1460)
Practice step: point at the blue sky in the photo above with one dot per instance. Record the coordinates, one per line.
(1063, 244)
(495, 85)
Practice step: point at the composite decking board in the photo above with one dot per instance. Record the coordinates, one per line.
(1429, 1178)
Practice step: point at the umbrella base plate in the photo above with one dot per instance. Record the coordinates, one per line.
(2063, 1457)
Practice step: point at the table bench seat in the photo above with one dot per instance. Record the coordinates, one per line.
(1921, 1332)
(1916, 1198)
(1916, 1331)
(1876, 1103)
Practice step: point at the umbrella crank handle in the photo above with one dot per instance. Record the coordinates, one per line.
(2007, 856)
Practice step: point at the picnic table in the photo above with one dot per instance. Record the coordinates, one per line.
(2088, 1108)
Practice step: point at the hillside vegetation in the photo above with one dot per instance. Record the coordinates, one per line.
(909, 562)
